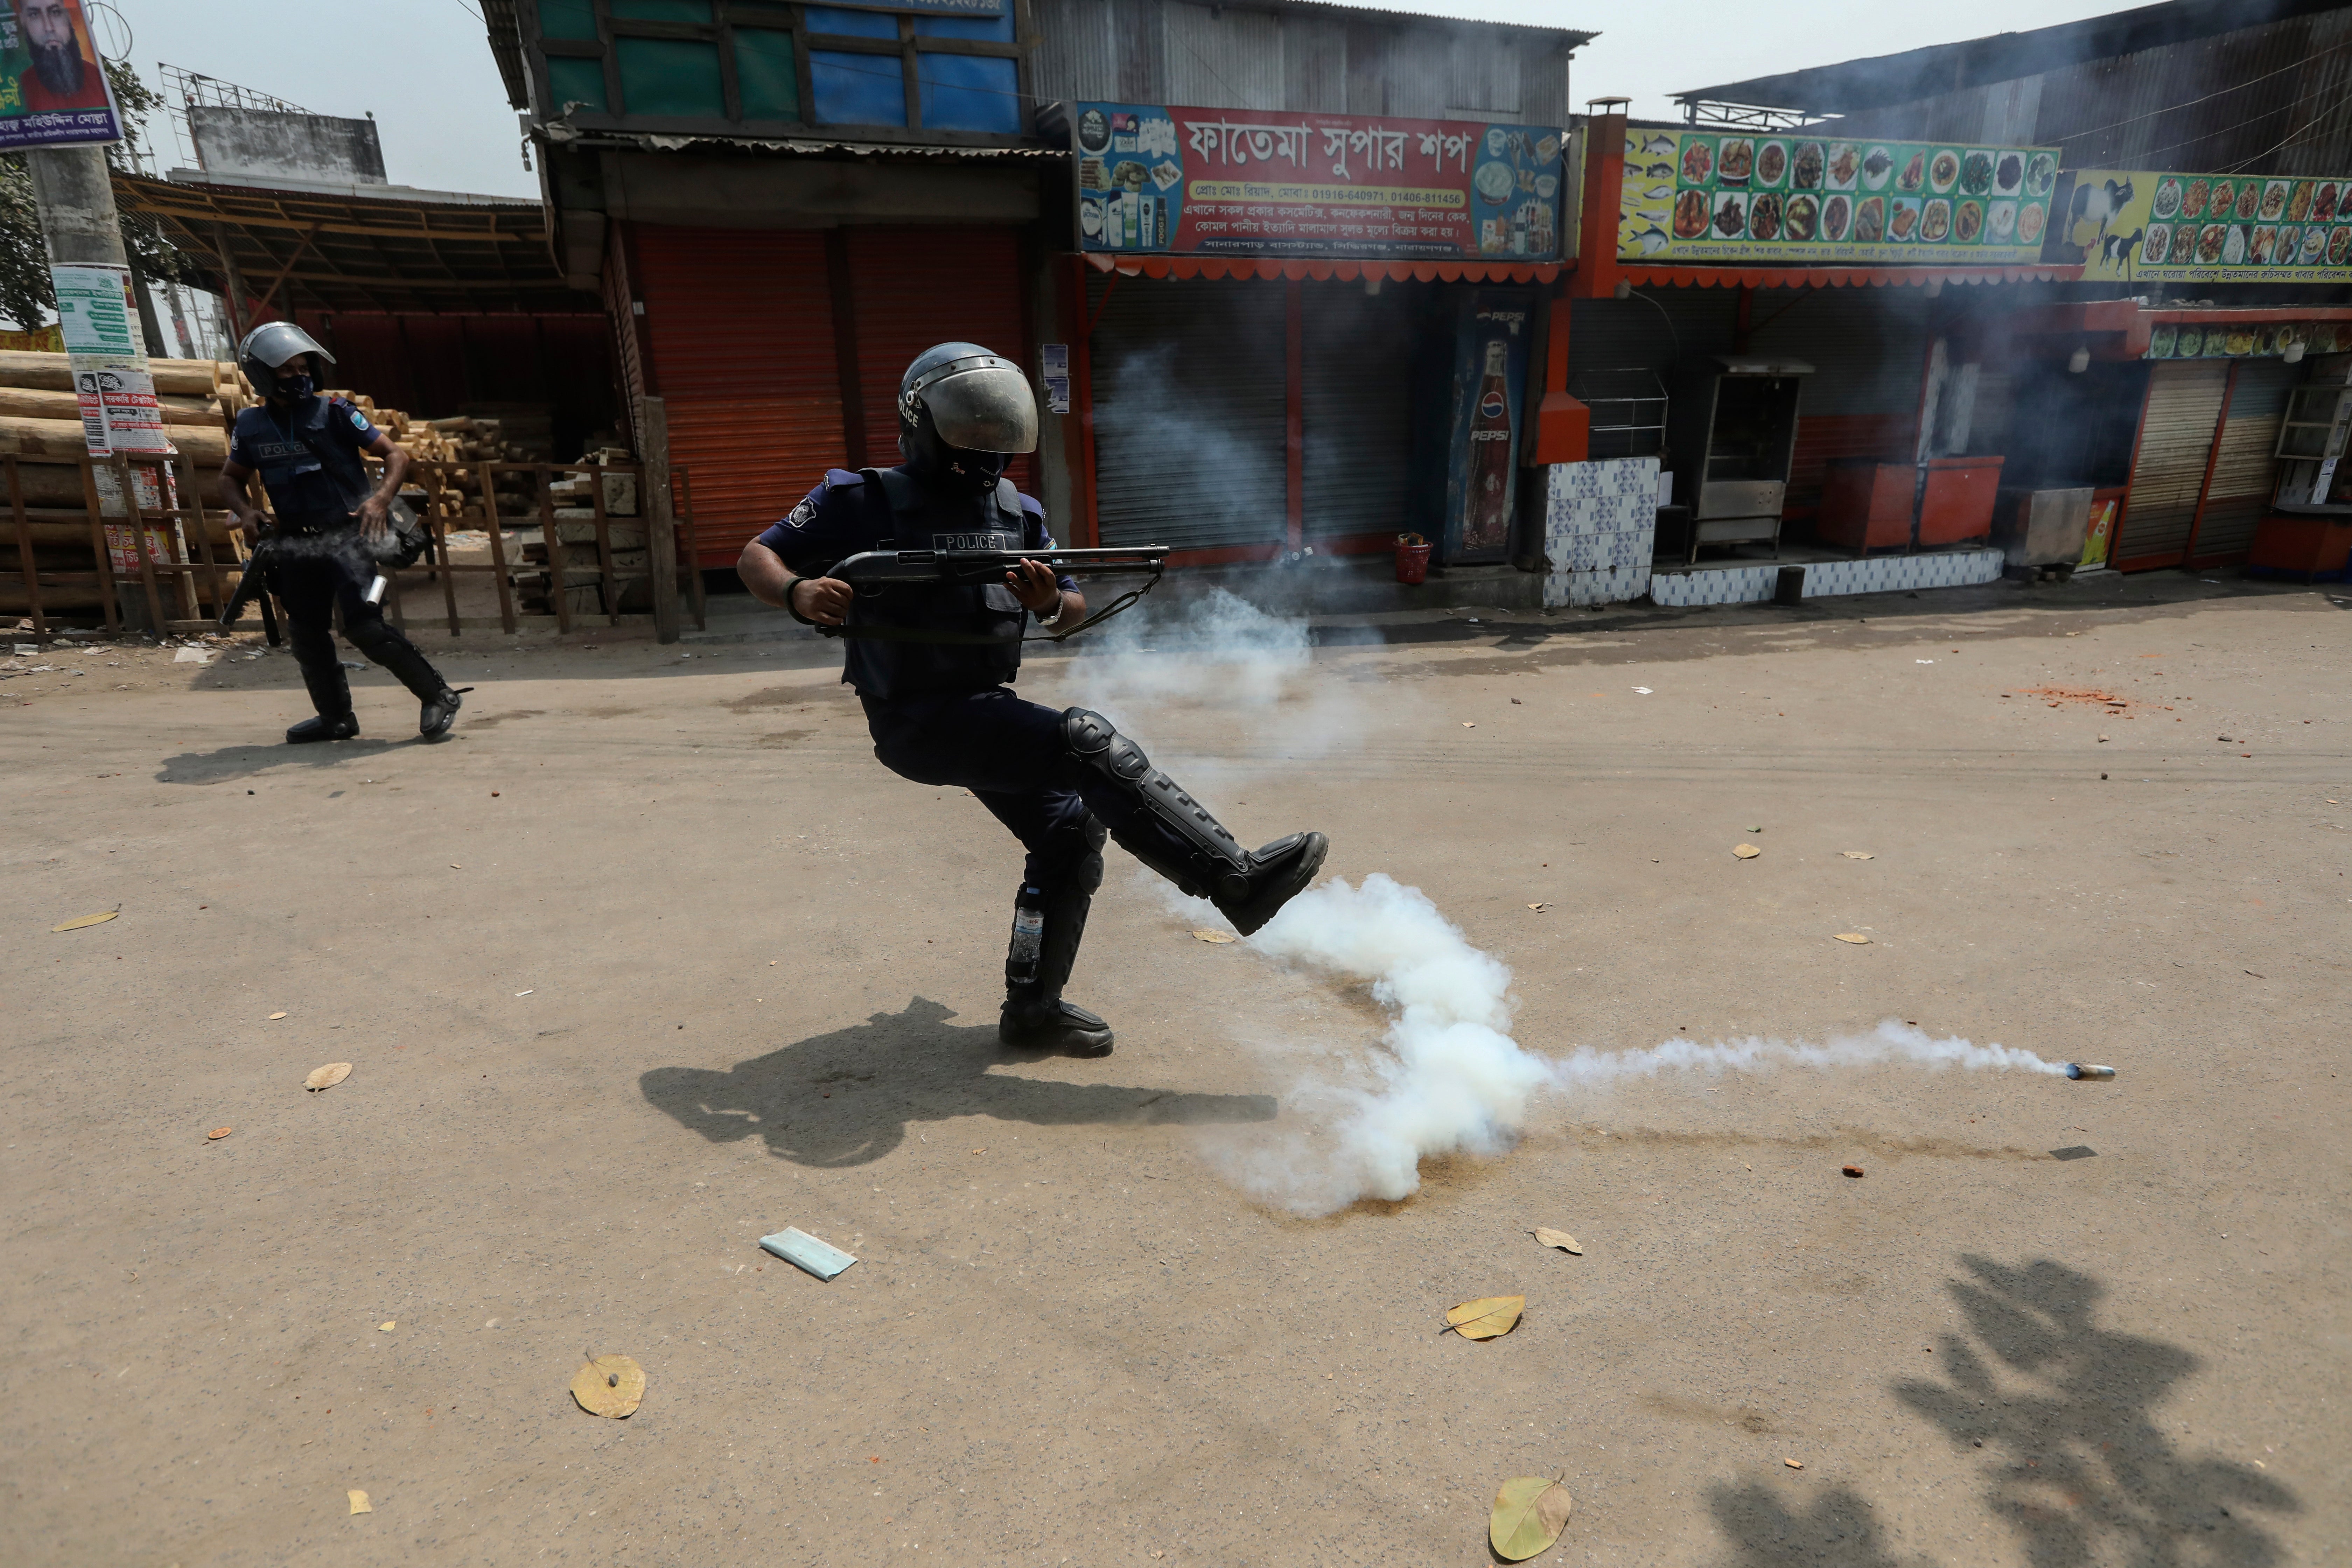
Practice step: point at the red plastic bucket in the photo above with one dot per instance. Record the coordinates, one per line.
(1411, 558)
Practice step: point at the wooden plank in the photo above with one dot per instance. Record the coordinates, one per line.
(654, 500)
(498, 552)
(437, 527)
(604, 545)
(137, 517)
(693, 552)
(97, 545)
(24, 550)
(194, 509)
(547, 530)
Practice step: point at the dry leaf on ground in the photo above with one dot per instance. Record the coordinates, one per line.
(1852, 1170)
(1853, 936)
(1539, 907)
(1745, 851)
(328, 1077)
(217, 1132)
(611, 1385)
(386, 1328)
(358, 1501)
(275, 1017)
(1528, 1515)
(1560, 1238)
(1856, 855)
(1487, 1317)
(80, 921)
(1794, 1464)
(1215, 936)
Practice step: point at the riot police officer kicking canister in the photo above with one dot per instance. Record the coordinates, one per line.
(933, 665)
(330, 525)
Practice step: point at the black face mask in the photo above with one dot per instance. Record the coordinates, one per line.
(295, 387)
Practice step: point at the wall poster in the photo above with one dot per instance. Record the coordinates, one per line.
(1153, 177)
(1789, 197)
(2127, 224)
(52, 90)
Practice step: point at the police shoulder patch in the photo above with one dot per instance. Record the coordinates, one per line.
(358, 420)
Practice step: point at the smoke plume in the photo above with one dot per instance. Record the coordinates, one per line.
(1452, 1079)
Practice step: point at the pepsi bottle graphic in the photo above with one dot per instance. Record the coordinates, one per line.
(1487, 522)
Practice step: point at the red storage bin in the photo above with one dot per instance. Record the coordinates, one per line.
(1866, 504)
(1957, 503)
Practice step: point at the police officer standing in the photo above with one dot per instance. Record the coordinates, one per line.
(933, 666)
(307, 449)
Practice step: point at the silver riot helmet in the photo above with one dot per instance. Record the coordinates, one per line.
(963, 412)
(269, 345)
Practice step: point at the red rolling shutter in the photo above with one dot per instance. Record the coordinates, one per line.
(739, 326)
(915, 287)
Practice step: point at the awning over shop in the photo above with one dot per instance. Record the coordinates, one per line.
(1324, 268)
(1643, 276)
(281, 250)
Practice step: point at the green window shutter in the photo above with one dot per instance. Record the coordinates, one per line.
(575, 81)
(567, 19)
(765, 77)
(661, 10)
(670, 77)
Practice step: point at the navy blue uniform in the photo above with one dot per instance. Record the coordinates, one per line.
(944, 714)
(308, 460)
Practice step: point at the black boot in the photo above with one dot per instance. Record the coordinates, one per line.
(377, 638)
(1189, 848)
(1046, 930)
(329, 688)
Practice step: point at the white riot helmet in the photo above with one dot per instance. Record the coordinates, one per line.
(269, 345)
(962, 413)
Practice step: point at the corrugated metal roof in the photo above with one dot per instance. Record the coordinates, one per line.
(505, 31)
(564, 135)
(1917, 74)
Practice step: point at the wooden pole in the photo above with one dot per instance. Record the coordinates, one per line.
(555, 588)
(605, 546)
(138, 516)
(661, 524)
(24, 550)
(97, 543)
(498, 550)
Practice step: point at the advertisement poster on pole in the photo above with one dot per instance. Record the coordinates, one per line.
(53, 91)
(116, 390)
(1153, 177)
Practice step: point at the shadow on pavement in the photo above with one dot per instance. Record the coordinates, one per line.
(2065, 1410)
(227, 763)
(1839, 1531)
(898, 1068)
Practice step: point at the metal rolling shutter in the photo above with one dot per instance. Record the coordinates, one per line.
(1357, 406)
(1653, 331)
(911, 287)
(2241, 491)
(740, 325)
(1190, 438)
(1868, 347)
(2184, 405)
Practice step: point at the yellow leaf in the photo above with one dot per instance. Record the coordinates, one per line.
(1560, 1238)
(1853, 936)
(1745, 851)
(386, 1328)
(275, 1017)
(1539, 907)
(611, 1385)
(327, 1077)
(1794, 1464)
(1856, 855)
(217, 1133)
(1487, 1318)
(360, 1502)
(1528, 1515)
(80, 921)
(1215, 936)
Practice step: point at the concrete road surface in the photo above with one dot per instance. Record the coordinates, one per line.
(653, 959)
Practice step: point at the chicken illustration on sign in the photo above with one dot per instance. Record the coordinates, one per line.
(2157, 227)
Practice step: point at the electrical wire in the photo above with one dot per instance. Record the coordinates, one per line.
(2218, 92)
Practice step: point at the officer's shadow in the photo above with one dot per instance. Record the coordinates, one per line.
(845, 1098)
(229, 763)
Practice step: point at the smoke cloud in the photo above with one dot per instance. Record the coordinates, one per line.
(1452, 1080)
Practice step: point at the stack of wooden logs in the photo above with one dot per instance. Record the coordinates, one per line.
(40, 418)
(467, 439)
(575, 528)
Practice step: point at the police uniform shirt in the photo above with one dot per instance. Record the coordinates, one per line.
(837, 520)
(307, 485)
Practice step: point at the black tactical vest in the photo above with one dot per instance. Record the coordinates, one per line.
(902, 514)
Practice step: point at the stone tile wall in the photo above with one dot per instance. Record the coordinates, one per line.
(1600, 521)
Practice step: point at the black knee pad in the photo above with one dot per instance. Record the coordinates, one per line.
(1096, 742)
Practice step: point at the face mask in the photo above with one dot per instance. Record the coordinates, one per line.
(294, 387)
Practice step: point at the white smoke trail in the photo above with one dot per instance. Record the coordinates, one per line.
(1453, 1079)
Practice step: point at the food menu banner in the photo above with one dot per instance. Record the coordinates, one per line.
(2224, 340)
(2127, 224)
(1694, 196)
(1156, 177)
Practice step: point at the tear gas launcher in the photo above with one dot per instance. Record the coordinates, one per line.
(253, 583)
(871, 572)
